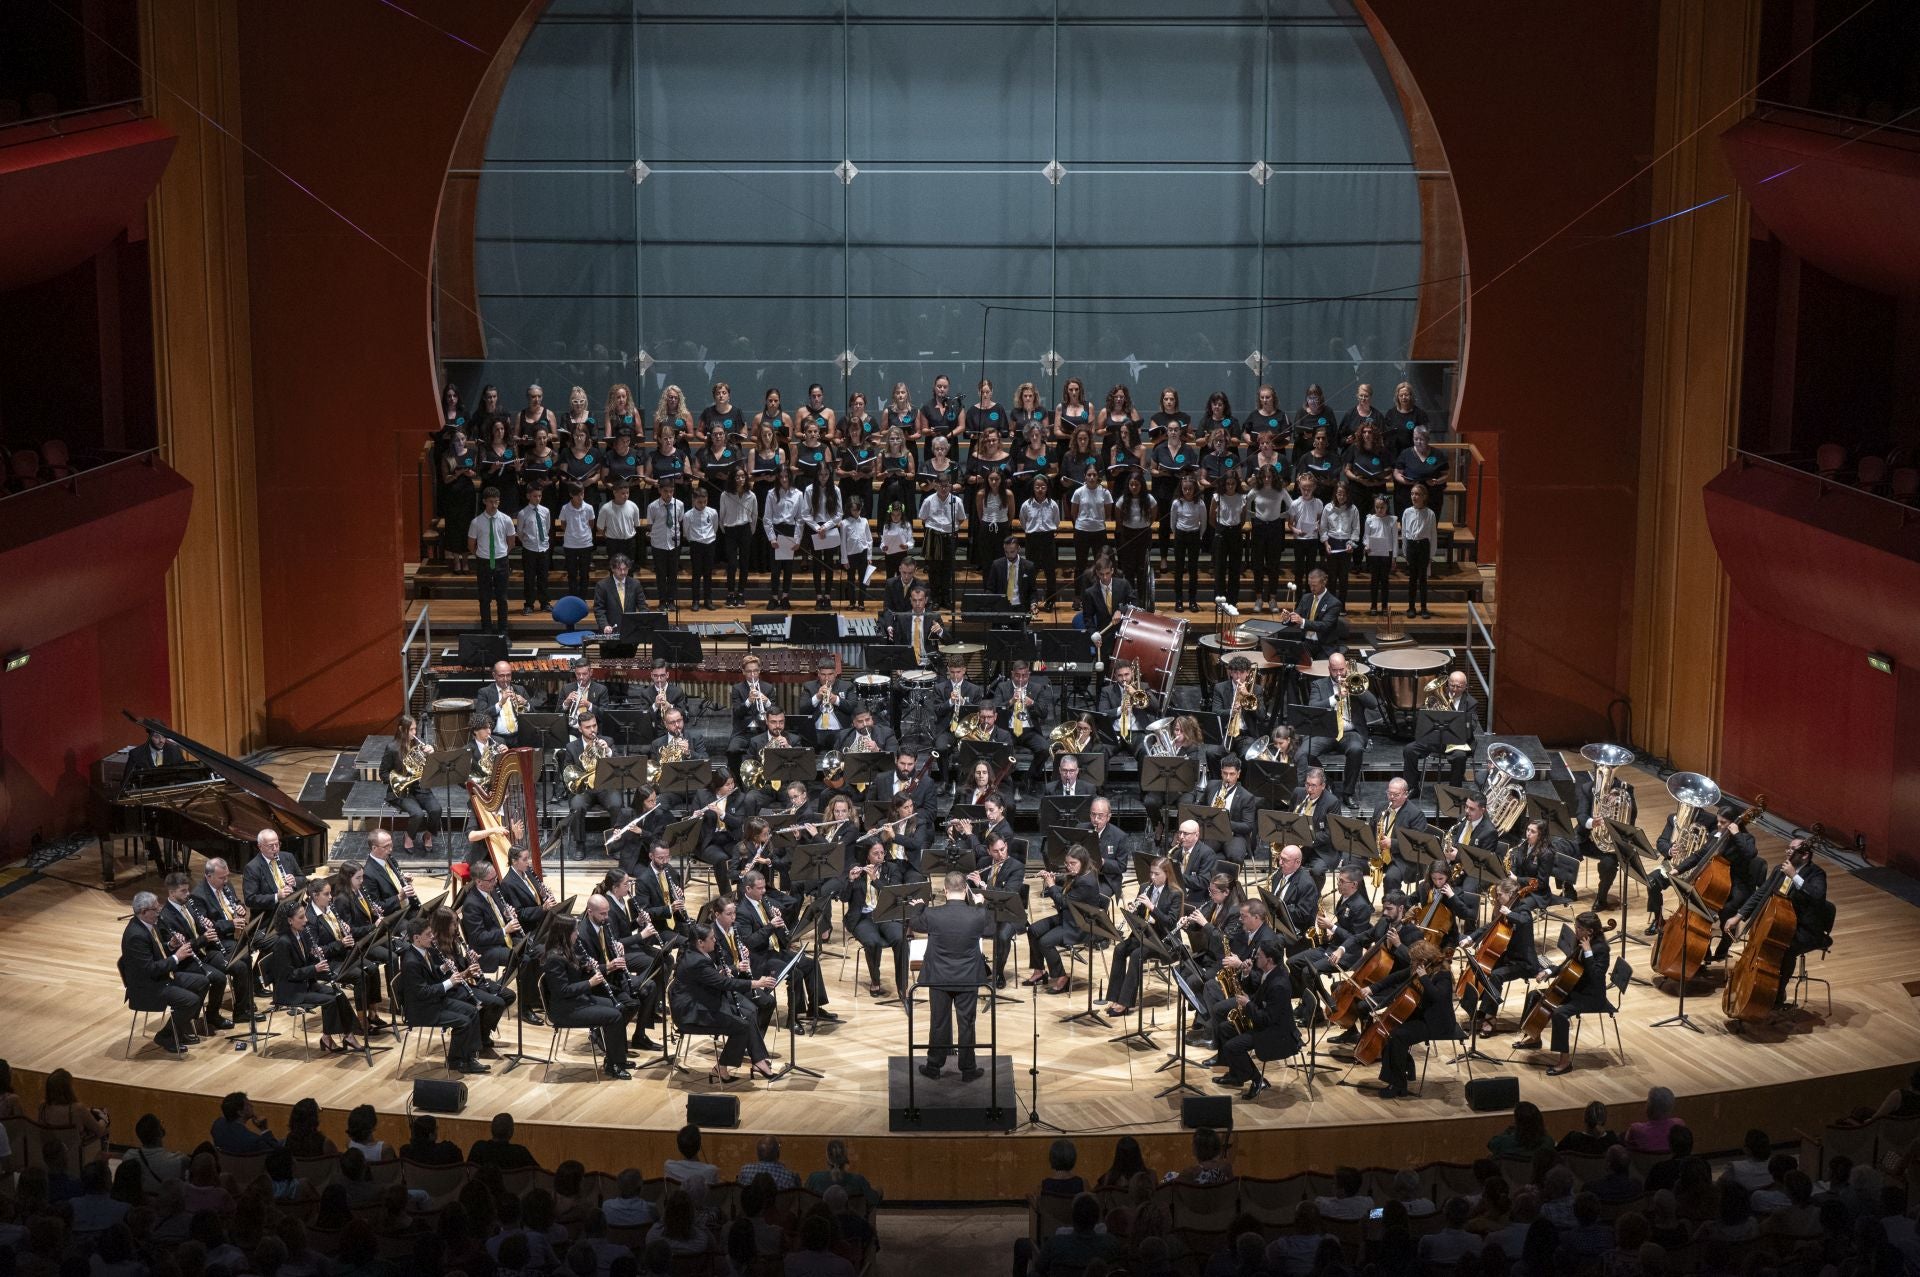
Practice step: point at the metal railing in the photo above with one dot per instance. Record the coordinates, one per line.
(1823, 484)
(1476, 623)
(79, 119)
(422, 629)
(86, 465)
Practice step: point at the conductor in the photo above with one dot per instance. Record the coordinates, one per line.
(952, 974)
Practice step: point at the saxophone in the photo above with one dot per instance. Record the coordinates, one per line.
(575, 776)
(413, 766)
(1239, 1017)
(1018, 720)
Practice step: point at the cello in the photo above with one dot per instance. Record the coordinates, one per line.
(1492, 945)
(1406, 1004)
(1687, 934)
(1350, 995)
(1566, 978)
(1755, 979)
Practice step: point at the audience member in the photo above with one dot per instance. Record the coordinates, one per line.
(62, 1108)
(158, 1164)
(1734, 1221)
(757, 1206)
(628, 1208)
(1679, 1147)
(362, 1122)
(498, 1149)
(1773, 1196)
(1525, 1137)
(852, 1228)
(1511, 1237)
(239, 1130)
(304, 1138)
(1653, 1133)
(426, 1147)
(1127, 1162)
(837, 1173)
(1751, 1168)
(688, 1166)
(1452, 1243)
(95, 1207)
(1347, 1202)
(1060, 1180)
(571, 1200)
(9, 1098)
(1080, 1244)
(679, 1228)
(1901, 1101)
(1212, 1161)
(766, 1152)
(1405, 1189)
(1593, 1137)
(1618, 1184)
(1800, 1217)
(1294, 1254)
(815, 1256)
(204, 1191)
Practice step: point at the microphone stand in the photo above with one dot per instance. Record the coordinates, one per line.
(1033, 1076)
(1317, 1001)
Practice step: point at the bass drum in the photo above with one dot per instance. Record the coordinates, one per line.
(1154, 643)
(452, 721)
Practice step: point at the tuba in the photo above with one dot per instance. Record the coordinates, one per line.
(1433, 694)
(1697, 796)
(1507, 785)
(1608, 802)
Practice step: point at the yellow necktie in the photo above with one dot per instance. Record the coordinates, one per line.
(1313, 608)
(495, 906)
(620, 592)
(873, 897)
(1106, 594)
(220, 898)
(919, 645)
(1013, 580)
(158, 948)
(279, 879)
(1306, 805)
(666, 896)
(509, 721)
(1339, 716)
(604, 955)
(386, 867)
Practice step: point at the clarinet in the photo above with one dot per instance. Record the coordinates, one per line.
(616, 980)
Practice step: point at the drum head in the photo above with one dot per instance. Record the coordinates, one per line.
(874, 682)
(916, 678)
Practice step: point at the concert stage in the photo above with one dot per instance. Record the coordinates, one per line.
(59, 935)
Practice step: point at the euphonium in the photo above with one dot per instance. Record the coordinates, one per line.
(1433, 693)
(1245, 701)
(1507, 789)
(575, 776)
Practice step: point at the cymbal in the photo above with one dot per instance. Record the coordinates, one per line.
(962, 649)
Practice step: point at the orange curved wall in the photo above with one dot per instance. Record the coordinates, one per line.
(1539, 118)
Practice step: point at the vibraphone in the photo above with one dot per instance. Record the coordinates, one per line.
(784, 667)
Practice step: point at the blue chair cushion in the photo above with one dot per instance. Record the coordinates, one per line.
(570, 610)
(572, 638)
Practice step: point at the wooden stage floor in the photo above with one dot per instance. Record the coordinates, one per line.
(58, 936)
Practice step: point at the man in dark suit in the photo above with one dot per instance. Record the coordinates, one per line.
(1396, 814)
(1298, 892)
(528, 901)
(866, 735)
(1001, 873)
(1591, 828)
(917, 625)
(501, 703)
(899, 595)
(157, 753)
(584, 695)
(492, 926)
(1457, 756)
(594, 792)
(1806, 882)
(827, 699)
(905, 763)
(1267, 996)
(177, 920)
(707, 998)
(952, 973)
(215, 900)
(629, 843)
(1111, 842)
(1350, 723)
(1241, 946)
(658, 883)
(1347, 926)
(585, 998)
(949, 698)
(1069, 783)
(1106, 598)
(1030, 705)
(272, 876)
(1117, 702)
(1321, 615)
(1195, 860)
(1230, 796)
(1312, 799)
(617, 597)
(1744, 865)
(1011, 577)
(761, 922)
(750, 703)
(431, 998)
(157, 976)
(1238, 685)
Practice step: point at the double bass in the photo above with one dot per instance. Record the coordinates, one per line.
(1755, 979)
(1687, 935)
(1566, 978)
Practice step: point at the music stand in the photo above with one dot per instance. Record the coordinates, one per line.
(526, 940)
(1555, 812)
(1631, 844)
(1093, 925)
(804, 928)
(1288, 828)
(809, 864)
(784, 766)
(350, 968)
(1353, 840)
(938, 861)
(1437, 729)
(445, 769)
(1689, 899)
(622, 724)
(1312, 722)
(1419, 848)
(1215, 828)
(688, 776)
(866, 766)
(1199, 1006)
(676, 647)
(1483, 864)
(1141, 927)
(970, 752)
(895, 904)
(1093, 768)
(1167, 774)
(1449, 801)
(244, 944)
(1053, 854)
(1065, 812)
(1272, 781)
(624, 772)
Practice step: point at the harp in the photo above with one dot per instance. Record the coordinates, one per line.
(506, 807)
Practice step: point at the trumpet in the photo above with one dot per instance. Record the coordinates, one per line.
(577, 702)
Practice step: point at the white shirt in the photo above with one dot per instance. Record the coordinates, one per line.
(1229, 509)
(1130, 519)
(782, 507)
(576, 526)
(943, 515)
(1269, 504)
(856, 537)
(500, 526)
(1090, 507)
(1188, 516)
(1417, 524)
(663, 522)
(1303, 515)
(1341, 523)
(619, 520)
(738, 508)
(534, 526)
(829, 508)
(1382, 535)
(896, 538)
(1040, 516)
(701, 525)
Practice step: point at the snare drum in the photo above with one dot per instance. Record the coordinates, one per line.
(873, 690)
(1154, 643)
(916, 680)
(452, 721)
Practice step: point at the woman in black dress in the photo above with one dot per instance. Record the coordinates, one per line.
(621, 416)
(300, 975)
(900, 414)
(1399, 420)
(581, 465)
(1367, 465)
(1362, 413)
(722, 416)
(579, 419)
(1117, 415)
(1080, 453)
(1080, 884)
(856, 461)
(718, 462)
(1027, 410)
(670, 413)
(1171, 458)
(1074, 413)
(1127, 446)
(460, 498)
(897, 469)
(623, 465)
(817, 414)
(815, 446)
(532, 417)
(1589, 996)
(985, 414)
(1313, 415)
(1268, 419)
(941, 417)
(1320, 461)
(1432, 1020)
(1159, 906)
(772, 417)
(500, 466)
(1421, 465)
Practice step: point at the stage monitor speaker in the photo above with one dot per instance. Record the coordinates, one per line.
(714, 1112)
(1493, 1094)
(1207, 1110)
(431, 1095)
(482, 650)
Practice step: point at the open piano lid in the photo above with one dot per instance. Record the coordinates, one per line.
(237, 802)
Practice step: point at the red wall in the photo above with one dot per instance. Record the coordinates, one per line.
(1541, 117)
(62, 713)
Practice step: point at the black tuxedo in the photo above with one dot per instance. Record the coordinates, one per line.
(810, 709)
(1241, 807)
(1008, 875)
(608, 608)
(1323, 617)
(1352, 745)
(155, 980)
(1607, 864)
(952, 973)
(1196, 868)
(1093, 603)
(183, 919)
(1320, 855)
(1813, 917)
(1254, 724)
(888, 787)
(1274, 1035)
(881, 734)
(998, 573)
(1043, 707)
(386, 884)
(1299, 898)
(1589, 995)
(650, 899)
(562, 699)
(140, 759)
(486, 703)
(749, 717)
(1519, 960)
(605, 797)
(896, 626)
(1457, 759)
(574, 1001)
(708, 998)
(874, 934)
(427, 1001)
(1410, 818)
(768, 948)
(293, 970)
(899, 595)
(262, 894)
(1109, 705)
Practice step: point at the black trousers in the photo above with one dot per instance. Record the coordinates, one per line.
(857, 578)
(1562, 1016)
(492, 998)
(940, 552)
(781, 578)
(184, 995)
(1126, 971)
(824, 562)
(239, 975)
(1396, 1065)
(738, 540)
(666, 576)
(1411, 756)
(1481, 1004)
(1379, 576)
(743, 1040)
(806, 987)
(493, 589)
(462, 1022)
(1339, 567)
(1044, 549)
(1419, 563)
(945, 1005)
(1186, 566)
(1045, 939)
(701, 558)
(872, 936)
(1086, 549)
(607, 800)
(421, 807)
(1352, 746)
(336, 1012)
(1237, 1054)
(1269, 554)
(606, 1019)
(1227, 543)
(580, 572)
(1306, 556)
(533, 577)
(1003, 937)
(1131, 550)
(629, 546)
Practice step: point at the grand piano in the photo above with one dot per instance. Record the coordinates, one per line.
(211, 804)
